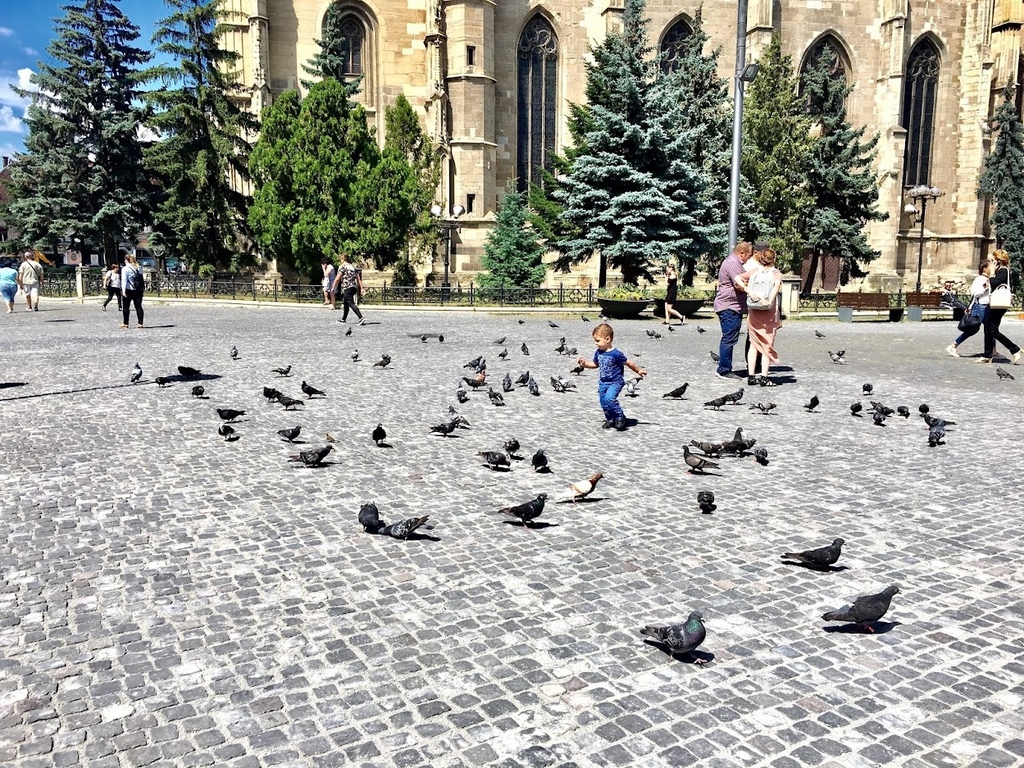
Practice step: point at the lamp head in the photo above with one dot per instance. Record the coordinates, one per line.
(909, 209)
(435, 210)
(750, 72)
(457, 211)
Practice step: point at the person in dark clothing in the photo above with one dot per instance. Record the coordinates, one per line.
(349, 282)
(994, 315)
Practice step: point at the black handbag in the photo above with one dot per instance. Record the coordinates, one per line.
(970, 321)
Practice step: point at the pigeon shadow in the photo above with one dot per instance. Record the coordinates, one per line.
(171, 325)
(818, 569)
(587, 500)
(498, 469)
(703, 473)
(384, 445)
(543, 471)
(878, 628)
(61, 320)
(697, 658)
(12, 384)
(417, 536)
(199, 377)
(231, 438)
(531, 526)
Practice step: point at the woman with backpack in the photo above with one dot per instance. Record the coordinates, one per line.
(762, 285)
(112, 282)
(132, 286)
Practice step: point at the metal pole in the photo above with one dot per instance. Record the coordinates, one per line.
(737, 124)
(920, 244)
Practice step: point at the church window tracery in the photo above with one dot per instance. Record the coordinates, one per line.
(537, 98)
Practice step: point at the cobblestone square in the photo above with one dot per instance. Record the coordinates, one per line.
(171, 598)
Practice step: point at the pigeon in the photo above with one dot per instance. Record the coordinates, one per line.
(682, 638)
(271, 394)
(480, 380)
(289, 402)
(499, 342)
(384, 362)
(495, 397)
(474, 363)
(584, 318)
(630, 389)
(533, 387)
(937, 434)
(856, 408)
(551, 324)
(440, 338)
(349, 331)
(836, 359)
(708, 449)
(311, 391)
(355, 356)
(761, 456)
(528, 511)
(444, 429)
(922, 408)
(369, 518)
(583, 488)
(423, 338)
(226, 431)
(495, 459)
(701, 330)
(162, 381)
(561, 385)
(717, 403)
(561, 346)
(571, 352)
(881, 408)
(695, 462)
(540, 461)
(503, 354)
(506, 383)
(234, 353)
(814, 402)
(290, 434)
(524, 379)
(197, 391)
(1003, 374)
(820, 558)
(227, 414)
(404, 528)
(706, 502)
(461, 422)
(329, 437)
(738, 444)
(511, 446)
(677, 393)
(866, 610)
(136, 373)
(378, 434)
(461, 395)
(525, 350)
(819, 334)
(578, 369)
(734, 397)
(878, 418)
(314, 457)
(932, 421)
(187, 372)
(282, 371)
(521, 321)
(867, 389)
(841, 353)
(903, 411)
(765, 408)
(714, 356)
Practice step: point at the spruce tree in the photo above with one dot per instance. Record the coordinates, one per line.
(840, 178)
(332, 58)
(776, 153)
(202, 157)
(512, 256)
(633, 194)
(82, 174)
(1001, 180)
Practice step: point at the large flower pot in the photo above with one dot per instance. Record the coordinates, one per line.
(685, 307)
(623, 309)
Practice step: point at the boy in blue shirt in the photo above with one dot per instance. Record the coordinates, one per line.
(611, 362)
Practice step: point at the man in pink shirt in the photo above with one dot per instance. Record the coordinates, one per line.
(730, 305)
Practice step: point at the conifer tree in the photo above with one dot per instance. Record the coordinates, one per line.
(203, 146)
(1001, 180)
(512, 256)
(840, 178)
(82, 174)
(776, 152)
(332, 60)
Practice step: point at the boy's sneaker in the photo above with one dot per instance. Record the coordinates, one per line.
(724, 375)
(620, 424)
(608, 424)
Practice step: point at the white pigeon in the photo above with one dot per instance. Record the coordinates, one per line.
(582, 489)
(136, 373)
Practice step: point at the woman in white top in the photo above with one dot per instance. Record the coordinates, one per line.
(112, 282)
(978, 306)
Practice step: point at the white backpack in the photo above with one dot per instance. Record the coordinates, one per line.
(759, 287)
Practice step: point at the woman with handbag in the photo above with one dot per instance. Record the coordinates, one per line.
(999, 301)
(762, 285)
(974, 317)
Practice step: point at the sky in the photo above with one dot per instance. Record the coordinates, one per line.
(26, 28)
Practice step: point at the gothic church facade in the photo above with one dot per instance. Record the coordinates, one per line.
(492, 80)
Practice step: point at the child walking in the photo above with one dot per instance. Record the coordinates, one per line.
(611, 362)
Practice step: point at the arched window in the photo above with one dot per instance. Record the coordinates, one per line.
(537, 99)
(829, 49)
(352, 33)
(919, 90)
(672, 45)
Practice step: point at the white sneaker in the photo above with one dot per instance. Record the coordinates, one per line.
(951, 349)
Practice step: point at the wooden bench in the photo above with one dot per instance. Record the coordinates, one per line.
(917, 302)
(846, 303)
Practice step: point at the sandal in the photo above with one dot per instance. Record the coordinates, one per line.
(764, 381)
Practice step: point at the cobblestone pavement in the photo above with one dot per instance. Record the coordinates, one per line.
(169, 598)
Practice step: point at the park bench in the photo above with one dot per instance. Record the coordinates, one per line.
(918, 302)
(878, 303)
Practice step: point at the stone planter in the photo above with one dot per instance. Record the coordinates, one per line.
(685, 307)
(623, 309)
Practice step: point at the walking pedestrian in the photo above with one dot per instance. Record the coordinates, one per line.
(994, 316)
(30, 278)
(730, 306)
(978, 306)
(612, 363)
(671, 294)
(328, 282)
(350, 284)
(112, 282)
(133, 285)
(8, 284)
(761, 286)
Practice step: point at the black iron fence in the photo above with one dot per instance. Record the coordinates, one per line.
(826, 302)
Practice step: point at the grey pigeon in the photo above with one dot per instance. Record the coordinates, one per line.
(423, 338)
(290, 434)
(526, 512)
(820, 558)
(879, 418)
(867, 389)
(355, 356)
(865, 610)
(856, 408)
(701, 330)
(495, 459)
(708, 449)
(440, 338)
(378, 435)
(187, 372)
(837, 359)
(349, 331)
(282, 371)
(922, 408)
(903, 411)
(404, 528)
(136, 373)
(506, 383)
(444, 429)
(1003, 374)
(311, 391)
(499, 342)
(533, 387)
(819, 334)
(227, 414)
(314, 457)
(630, 389)
(474, 363)
(289, 402)
(198, 391)
(234, 353)
(937, 434)
(503, 354)
(271, 394)
(761, 455)
(369, 518)
(717, 403)
(706, 502)
(476, 382)
(525, 349)
(812, 404)
(226, 431)
(524, 379)
(161, 381)
(714, 356)
(577, 369)
(677, 393)
(495, 397)
(461, 395)
(539, 461)
(552, 325)
(734, 397)
(584, 318)
(511, 446)
(679, 638)
(765, 408)
(695, 462)
(384, 362)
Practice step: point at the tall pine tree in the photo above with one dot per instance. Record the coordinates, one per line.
(840, 178)
(276, 204)
(1001, 180)
(82, 175)
(334, 57)
(776, 153)
(512, 256)
(202, 157)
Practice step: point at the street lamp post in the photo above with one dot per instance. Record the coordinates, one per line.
(745, 73)
(920, 194)
(445, 227)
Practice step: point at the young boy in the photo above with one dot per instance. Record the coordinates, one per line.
(611, 361)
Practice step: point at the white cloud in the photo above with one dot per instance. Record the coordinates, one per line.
(30, 51)
(10, 150)
(8, 122)
(6, 32)
(22, 79)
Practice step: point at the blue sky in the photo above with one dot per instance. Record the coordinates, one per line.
(26, 28)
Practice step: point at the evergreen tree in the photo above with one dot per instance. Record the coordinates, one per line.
(840, 178)
(1001, 180)
(512, 256)
(633, 194)
(202, 157)
(83, 174)
(332, 60)
(776, 152)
